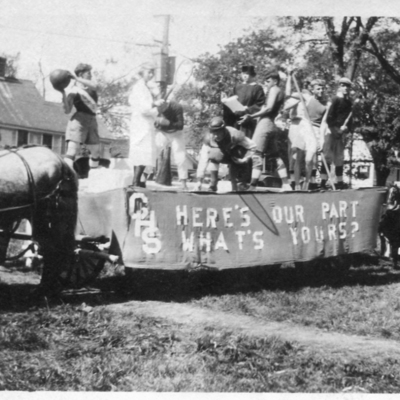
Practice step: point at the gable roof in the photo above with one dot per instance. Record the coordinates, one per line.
(22, 106)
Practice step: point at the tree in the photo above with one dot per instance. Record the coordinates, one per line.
(362, 49)
(113, 102)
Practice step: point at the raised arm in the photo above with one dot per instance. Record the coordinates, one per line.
(91, 84)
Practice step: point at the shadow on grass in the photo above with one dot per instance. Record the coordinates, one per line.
(181, 286)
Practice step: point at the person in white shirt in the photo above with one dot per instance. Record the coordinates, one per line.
(143, 150)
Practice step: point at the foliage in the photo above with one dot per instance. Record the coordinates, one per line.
(363, 49)
(220, 72)
(113, 97)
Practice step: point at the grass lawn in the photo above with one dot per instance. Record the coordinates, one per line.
(66, 344)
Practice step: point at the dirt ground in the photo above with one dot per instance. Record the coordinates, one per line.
(348, 346)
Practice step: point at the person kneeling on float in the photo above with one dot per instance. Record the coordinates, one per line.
(82, 126)
(226, 145)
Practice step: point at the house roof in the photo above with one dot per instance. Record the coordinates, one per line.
(22, 106)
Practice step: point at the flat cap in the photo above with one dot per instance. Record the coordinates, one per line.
(216, 124)
(271, 73)
(345, 81)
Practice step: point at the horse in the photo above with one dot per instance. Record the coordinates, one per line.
(389, 225)
(36, 184)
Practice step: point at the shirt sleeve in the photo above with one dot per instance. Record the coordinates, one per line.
(248, 144)
(332, 113)
(141, 101)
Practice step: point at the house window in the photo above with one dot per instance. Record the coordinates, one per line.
(22, 138)
(48, 140)
(36, 138)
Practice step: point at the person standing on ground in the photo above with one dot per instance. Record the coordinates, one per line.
(82, 127)
(266, 131)
(226, 145)
(143, 151)
(251, 95)
(339, 123)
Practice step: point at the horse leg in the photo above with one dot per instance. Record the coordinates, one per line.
(395, 253)
(4, 242)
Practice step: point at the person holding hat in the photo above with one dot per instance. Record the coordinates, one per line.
(339, 122)
(82, 127)
(294, 108)
(226, 145)
(251, 95)
(266, 130)
(143, 150)
(307, 138)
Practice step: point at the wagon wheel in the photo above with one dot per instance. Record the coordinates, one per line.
(83, 270)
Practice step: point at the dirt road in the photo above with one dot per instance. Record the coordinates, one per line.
(348, 346)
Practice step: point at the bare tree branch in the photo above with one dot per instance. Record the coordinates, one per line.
(336, 45)
(358, 45)
(388, 68)
(345, 27)
(323, 41)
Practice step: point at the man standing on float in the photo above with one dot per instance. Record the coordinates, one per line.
(251, 95)
(265, 135)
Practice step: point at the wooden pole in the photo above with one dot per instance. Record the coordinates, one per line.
(164, 176)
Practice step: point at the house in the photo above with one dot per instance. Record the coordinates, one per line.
(27, 118)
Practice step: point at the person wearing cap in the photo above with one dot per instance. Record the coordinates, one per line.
(251, 95)
(294, 107)
(82, 127)
(142, 146)
(169, 123)
(265, 134)
(339, 122)
(226, 145)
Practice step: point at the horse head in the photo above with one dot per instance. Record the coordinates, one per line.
(393, 198)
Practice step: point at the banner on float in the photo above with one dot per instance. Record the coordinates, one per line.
(175, 230)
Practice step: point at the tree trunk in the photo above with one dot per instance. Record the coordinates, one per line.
(164, 176)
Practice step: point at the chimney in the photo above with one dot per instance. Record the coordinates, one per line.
(3, 64)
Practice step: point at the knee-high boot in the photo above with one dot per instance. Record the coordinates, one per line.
(214, 181)
(137, 175)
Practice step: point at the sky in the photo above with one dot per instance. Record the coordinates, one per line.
(62, 33)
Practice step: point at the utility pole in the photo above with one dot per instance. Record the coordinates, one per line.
(163, 175)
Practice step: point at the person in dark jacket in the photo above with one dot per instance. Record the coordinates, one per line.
(170, 123)
(251, 95)
(339, 123)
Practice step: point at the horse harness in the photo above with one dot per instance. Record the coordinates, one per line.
(33, 192)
